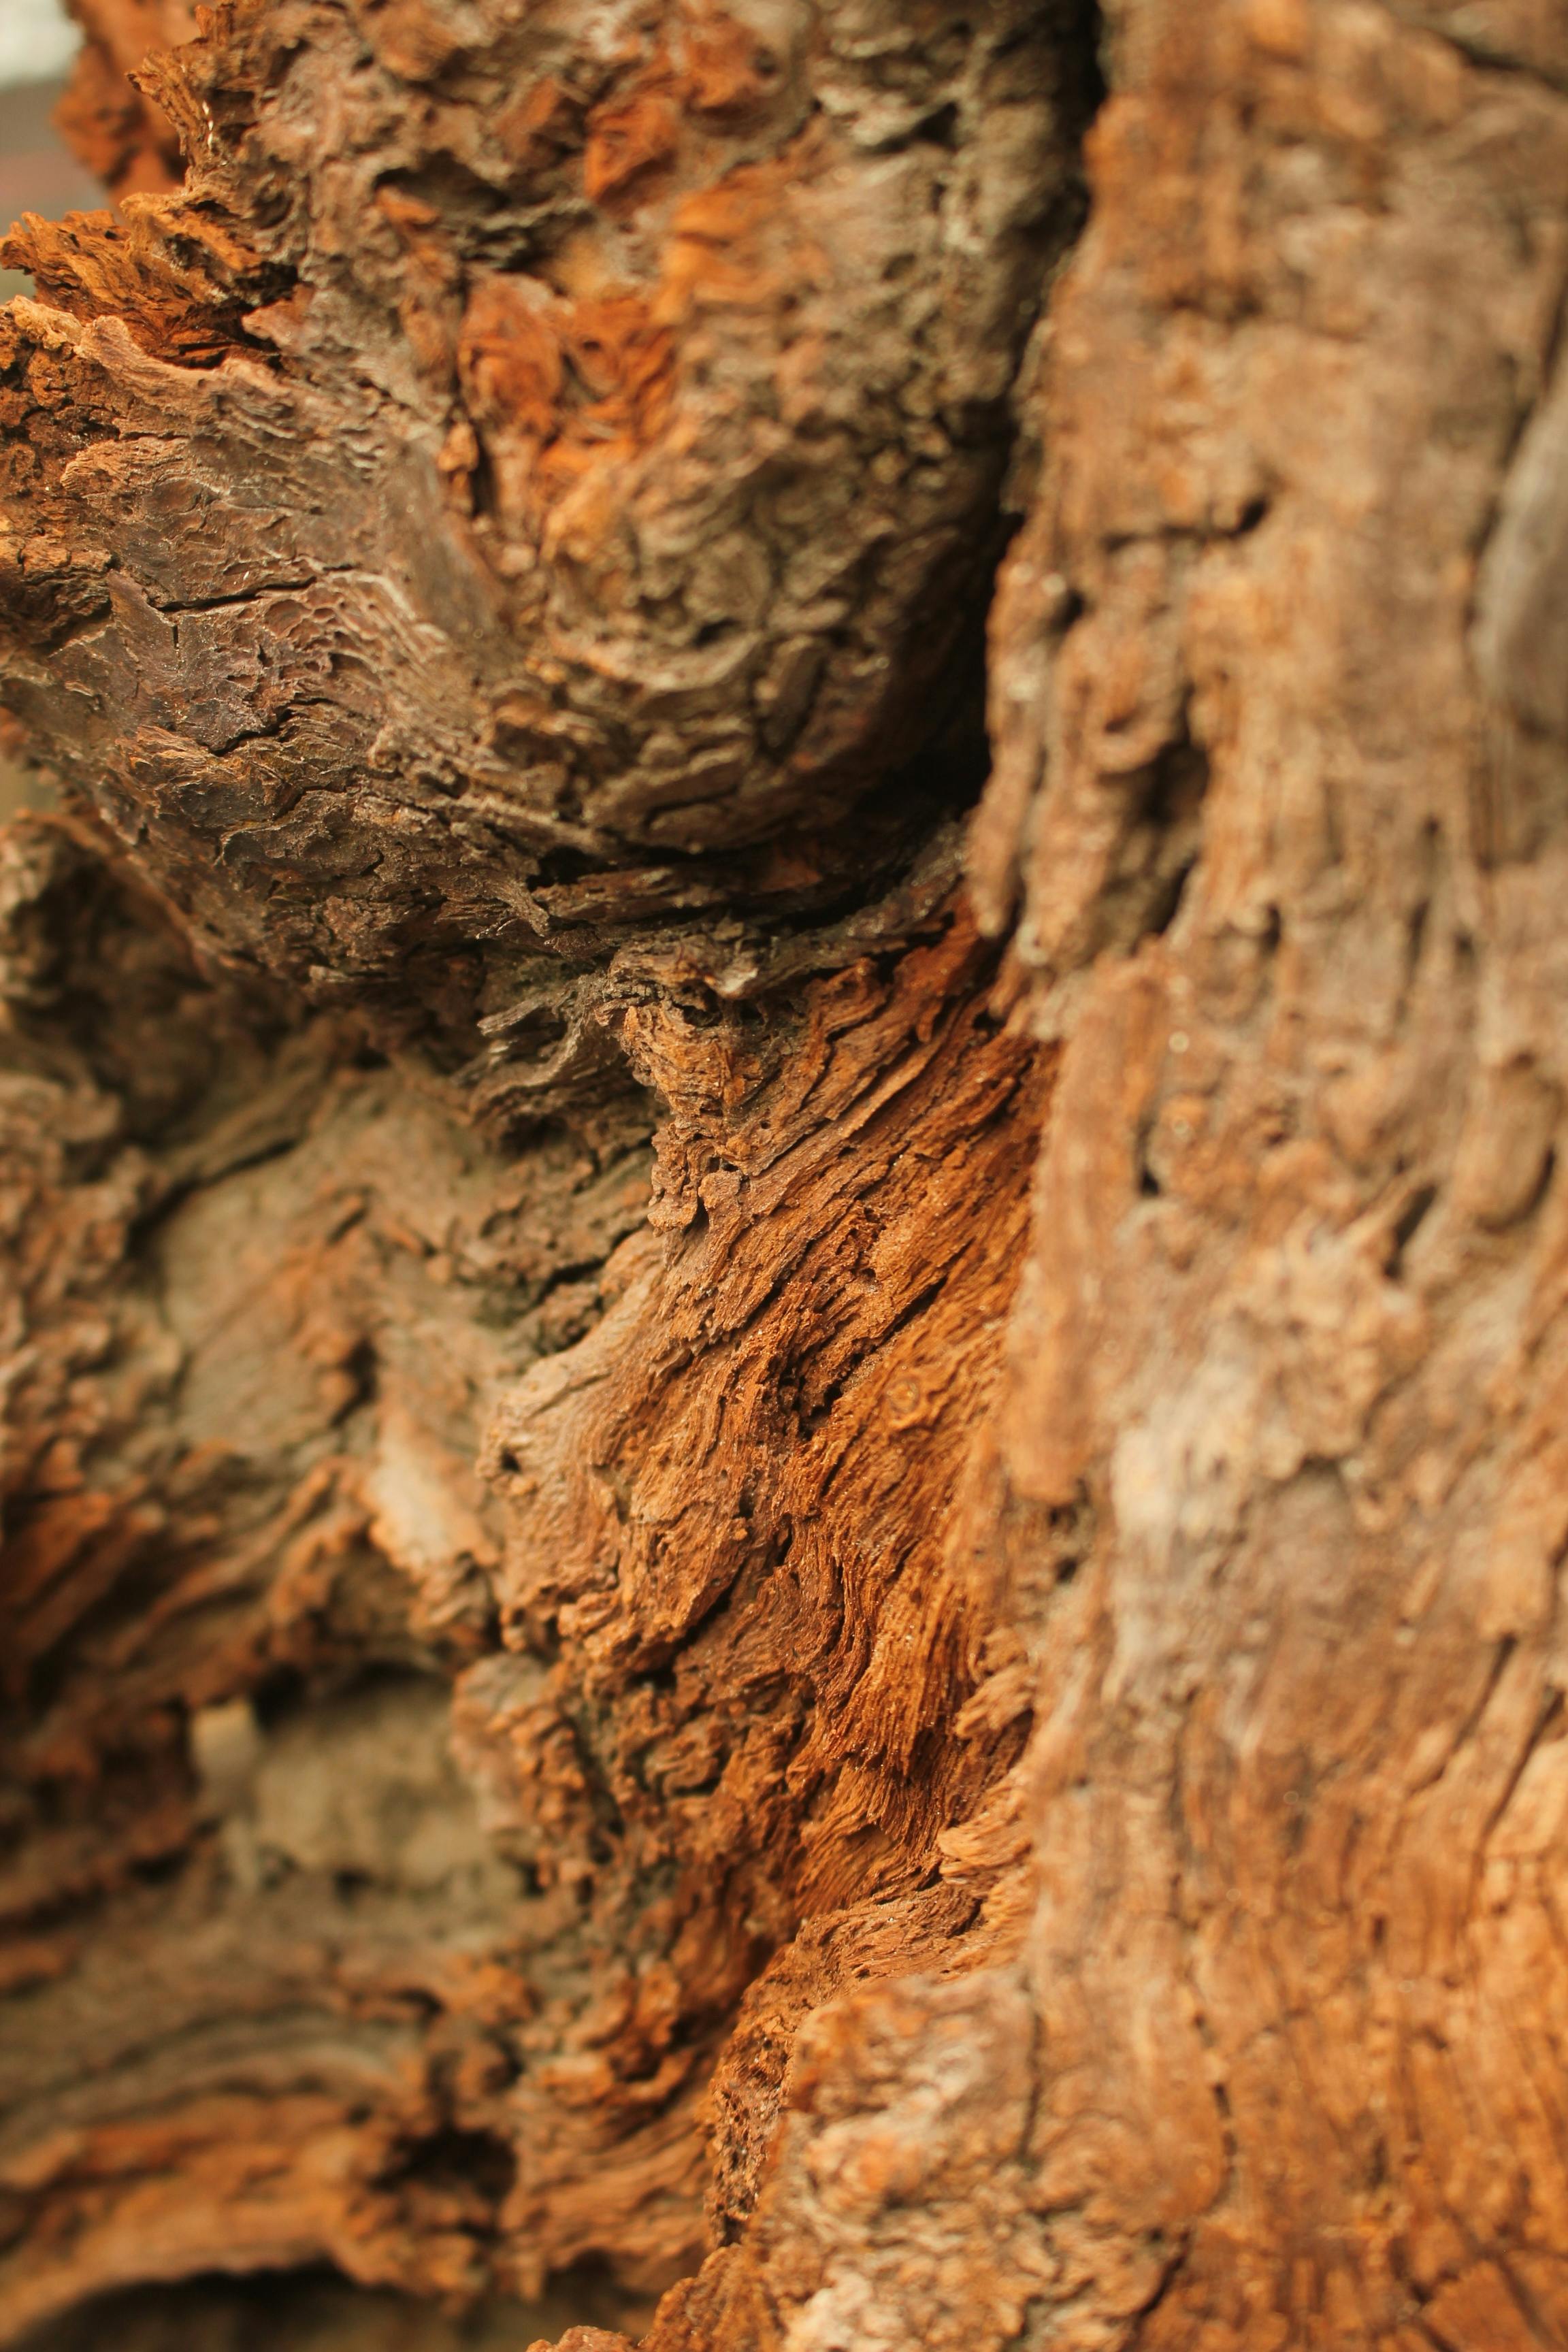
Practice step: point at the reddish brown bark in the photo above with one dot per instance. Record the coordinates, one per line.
(973, 1465)
(128, 141)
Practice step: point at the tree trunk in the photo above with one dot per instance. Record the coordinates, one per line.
(784, 1472)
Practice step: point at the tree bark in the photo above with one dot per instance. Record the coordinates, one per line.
(782, 1504)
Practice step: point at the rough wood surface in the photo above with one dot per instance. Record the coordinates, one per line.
(520, 507)
(723, 1557)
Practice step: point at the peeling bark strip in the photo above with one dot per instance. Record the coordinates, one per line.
(718, 1556)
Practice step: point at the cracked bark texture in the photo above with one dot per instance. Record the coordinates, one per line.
(767, 1539)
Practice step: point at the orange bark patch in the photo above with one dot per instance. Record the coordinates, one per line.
(628, 143)
(624, 360)
(584, 381)
(729, 70)
(544, 124)
(729, 244)
(508, 357)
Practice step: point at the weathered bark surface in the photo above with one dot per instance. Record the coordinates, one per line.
(538, 1203)
(521, 507)
(278, 1995)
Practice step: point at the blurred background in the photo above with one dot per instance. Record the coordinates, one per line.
(38, 174)
(37, 42)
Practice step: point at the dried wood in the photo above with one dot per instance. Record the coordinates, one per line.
(759, 1526)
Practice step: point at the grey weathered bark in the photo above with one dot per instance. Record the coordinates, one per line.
(972, 1463)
